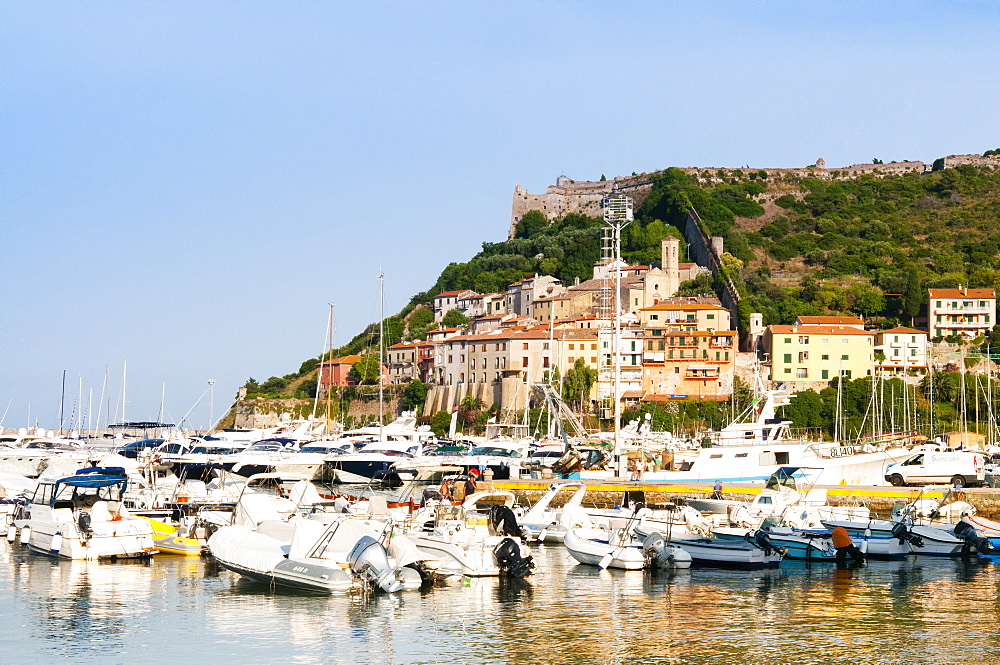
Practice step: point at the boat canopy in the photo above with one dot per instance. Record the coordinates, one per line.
(96, 477)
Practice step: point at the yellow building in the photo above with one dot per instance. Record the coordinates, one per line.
(811, 354)
(681, 314)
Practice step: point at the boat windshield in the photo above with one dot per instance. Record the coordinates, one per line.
(322, 450)
(213, 450)
(265, 447)
(495, 452)
(390, 453)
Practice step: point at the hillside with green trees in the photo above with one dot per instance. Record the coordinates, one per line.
(868, 245)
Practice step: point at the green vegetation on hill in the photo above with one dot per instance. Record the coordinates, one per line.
(868, 245)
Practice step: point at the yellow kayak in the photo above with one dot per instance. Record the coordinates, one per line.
(167, 540)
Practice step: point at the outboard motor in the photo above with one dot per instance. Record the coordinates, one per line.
(903, 534)
(503, 522)
(968, 533)
(84, 522)
(763, 541)
(510, 561)
(369, 559)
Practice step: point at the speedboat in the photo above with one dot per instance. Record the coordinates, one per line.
(272, 456)
(618, 548)
(546, 524)
(338, 556)
(83, 517)
(461, 540)
(876, 538)
(753, 552)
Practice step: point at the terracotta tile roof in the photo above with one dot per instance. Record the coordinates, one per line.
(819, 330)
(905, 331)
(344, 360)
(962, 293)
(683, 306)
(451, 293)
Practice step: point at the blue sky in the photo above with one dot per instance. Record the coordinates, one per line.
(187, 185)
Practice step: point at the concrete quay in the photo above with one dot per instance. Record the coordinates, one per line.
(879, 499)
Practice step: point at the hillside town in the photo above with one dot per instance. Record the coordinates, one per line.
(670, 347)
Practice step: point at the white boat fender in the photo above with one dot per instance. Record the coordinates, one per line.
(11, 533)
(56, 543)
(25, 535)
(864, 543)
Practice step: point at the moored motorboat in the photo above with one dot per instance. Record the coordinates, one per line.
(618, 548)
(83, 517)
(337, 556)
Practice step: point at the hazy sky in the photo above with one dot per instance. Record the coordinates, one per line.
(187, 185)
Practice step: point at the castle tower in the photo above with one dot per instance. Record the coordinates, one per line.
(670, 251)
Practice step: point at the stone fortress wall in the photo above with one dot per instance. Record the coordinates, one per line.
(584, 197)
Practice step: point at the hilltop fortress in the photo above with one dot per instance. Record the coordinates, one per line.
(584, 197)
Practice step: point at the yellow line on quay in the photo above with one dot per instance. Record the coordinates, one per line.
(621, 485)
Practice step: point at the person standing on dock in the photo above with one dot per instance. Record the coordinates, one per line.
(717, 491)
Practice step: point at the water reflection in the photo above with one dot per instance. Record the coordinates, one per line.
(912, 611)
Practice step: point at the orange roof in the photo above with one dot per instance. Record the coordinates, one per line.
(345, 360)
(451, 293)
(819, 330)
(693, 305)
(905, 331)
(962, 293)
(404, 345)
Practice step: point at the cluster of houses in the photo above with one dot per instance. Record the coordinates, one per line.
(669, 347)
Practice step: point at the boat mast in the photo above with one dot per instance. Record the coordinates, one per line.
(124, 385)
(323, 359)
(62, 403)
(381, 349)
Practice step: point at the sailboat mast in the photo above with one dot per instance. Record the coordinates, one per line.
(381, 350)
(323, 359)
(124, 385)
(62, 403)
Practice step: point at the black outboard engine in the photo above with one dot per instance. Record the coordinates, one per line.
(510, 561)
(763, 541)
(903, 534)
(503, 522)
(84, 522)
(968, 533)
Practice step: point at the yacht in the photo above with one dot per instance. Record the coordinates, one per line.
(83, 517)
(756, 445)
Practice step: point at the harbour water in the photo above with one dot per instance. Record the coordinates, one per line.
(176, 610)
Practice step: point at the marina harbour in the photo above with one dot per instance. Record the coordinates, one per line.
(914, 611)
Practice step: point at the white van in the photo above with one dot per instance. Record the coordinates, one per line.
(955, 467)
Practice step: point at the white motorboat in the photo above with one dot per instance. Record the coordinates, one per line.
(751, 553)
(880, 539)
(322, 557)
(544, 523)
(756, 444)
(83, 517)
(806, 544)
(272, 456)
(460, 540)
(618, 548)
